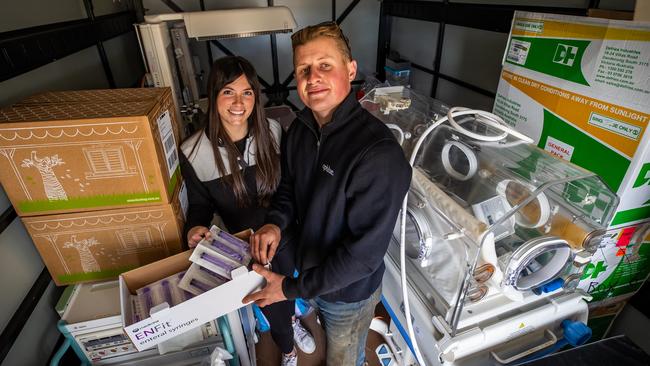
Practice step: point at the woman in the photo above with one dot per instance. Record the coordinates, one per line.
(232, 168)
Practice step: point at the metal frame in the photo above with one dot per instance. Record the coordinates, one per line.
(494, 18)
(26, 49)
(90, 12)
(24, 312)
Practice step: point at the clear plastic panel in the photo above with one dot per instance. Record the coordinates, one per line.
(407, 113)
(487, 218)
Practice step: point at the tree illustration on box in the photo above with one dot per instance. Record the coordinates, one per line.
(88, 261)
(53, 188)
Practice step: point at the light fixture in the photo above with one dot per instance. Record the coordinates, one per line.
(231, 23)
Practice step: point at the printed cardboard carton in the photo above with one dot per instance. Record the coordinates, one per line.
(192, 313)
(99, 245)
(72, 157)
(97, 96)
(620, 265)
(601, 317)
(580, 87)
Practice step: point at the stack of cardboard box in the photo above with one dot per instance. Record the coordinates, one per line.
(94, 176)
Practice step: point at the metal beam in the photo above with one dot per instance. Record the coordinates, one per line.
(225, 50)
(207, 44)
(383, 40)
(496, 18)
(25, 310)
(347, 11)
(454, 80)
(90, 13)
(173, 6)
(438, 57)
(7, 218)
(340, 19)
(26, 49)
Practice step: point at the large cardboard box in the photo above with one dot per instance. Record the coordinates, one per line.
(192, 313)
(97, 95)
(581, 88)
(99, 245)
(72, 157)
(620, 265)
(601, 317)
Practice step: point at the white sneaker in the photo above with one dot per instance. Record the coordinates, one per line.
(302, 338)
(290, 359)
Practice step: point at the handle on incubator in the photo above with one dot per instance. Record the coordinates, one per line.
(551, 340)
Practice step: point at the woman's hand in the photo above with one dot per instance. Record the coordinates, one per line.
(264, 243)
(197, 233)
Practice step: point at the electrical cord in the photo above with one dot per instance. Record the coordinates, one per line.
(487, 118)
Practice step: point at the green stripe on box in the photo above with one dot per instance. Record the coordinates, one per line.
(173, 181)
(588, 153)
(634, 214)
(89, 202)
(93, 276)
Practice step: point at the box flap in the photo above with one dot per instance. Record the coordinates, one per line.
(155, 271)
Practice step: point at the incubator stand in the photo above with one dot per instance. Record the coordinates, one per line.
(497, 234)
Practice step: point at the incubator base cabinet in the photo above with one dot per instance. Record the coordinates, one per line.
(492, 238)
(512, 336)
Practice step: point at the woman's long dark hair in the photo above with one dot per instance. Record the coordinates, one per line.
(224, 71)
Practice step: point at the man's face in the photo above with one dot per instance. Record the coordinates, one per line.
(323, 76)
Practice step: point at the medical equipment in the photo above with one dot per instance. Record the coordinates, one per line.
(494, 232)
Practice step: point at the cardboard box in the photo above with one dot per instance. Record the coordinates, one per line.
(642, 10)
(601, 318)
(72, 157)
(99, 245)
(97, 96)
(579, 87)
(188, 315)
(620, 265)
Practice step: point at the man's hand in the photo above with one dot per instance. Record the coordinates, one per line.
(264, 243)
(271, 293)
(197, 233)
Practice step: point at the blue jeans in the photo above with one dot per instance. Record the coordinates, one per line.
(346, 326)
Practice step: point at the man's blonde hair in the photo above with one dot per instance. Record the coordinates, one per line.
(327, 29)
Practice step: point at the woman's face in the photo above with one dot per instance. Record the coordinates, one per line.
(235, 103)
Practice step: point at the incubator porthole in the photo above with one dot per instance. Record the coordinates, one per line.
(414, 239)
(458, 160)
(535, 213)
(537, 262)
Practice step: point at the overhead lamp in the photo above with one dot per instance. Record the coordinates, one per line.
(231, 23)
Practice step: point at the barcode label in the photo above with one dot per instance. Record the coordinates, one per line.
(166, 131)
(182, 196)
(169, 143)
(171, 159)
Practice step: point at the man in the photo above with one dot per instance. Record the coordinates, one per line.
(344, 177)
